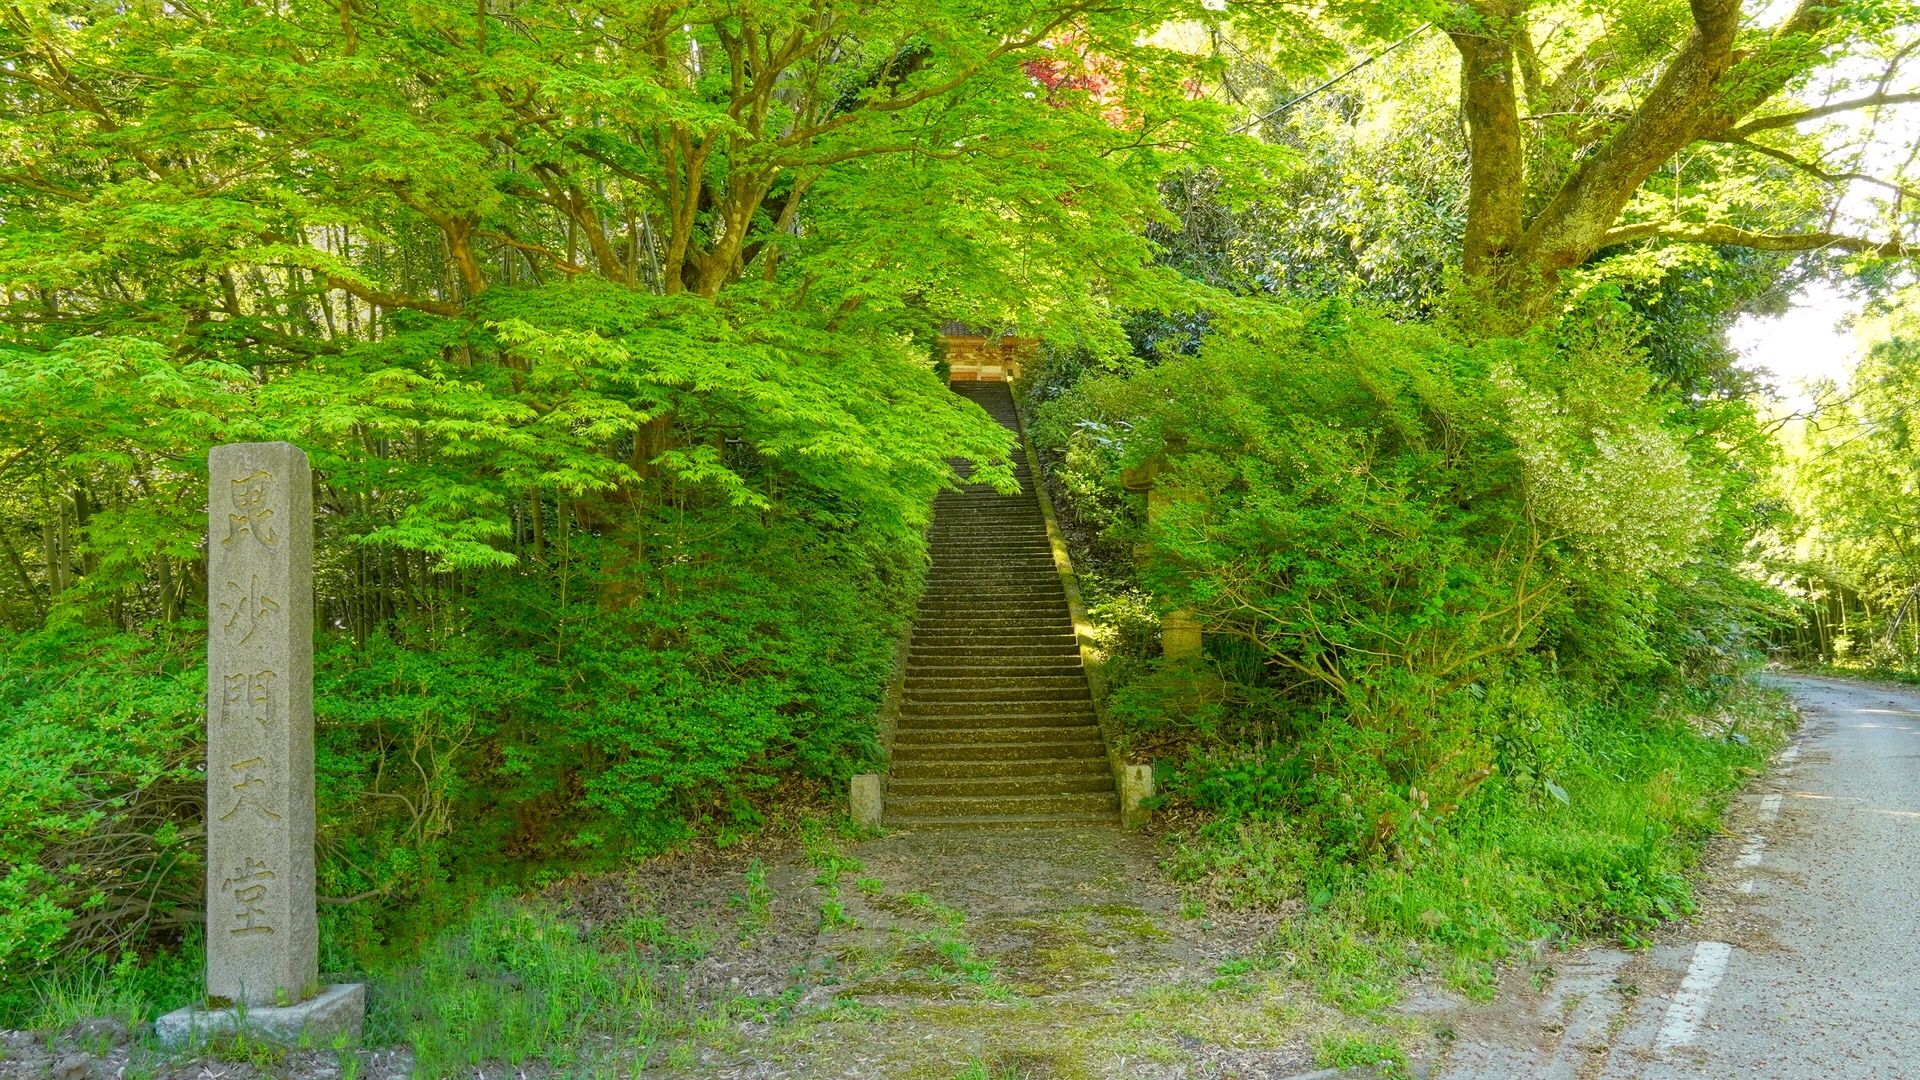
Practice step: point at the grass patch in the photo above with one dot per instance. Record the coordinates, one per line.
(1602, 852)
(132, 990)
(517, 985)
(1355, 1052)
(827, 857)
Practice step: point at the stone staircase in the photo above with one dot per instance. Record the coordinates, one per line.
(996, 726)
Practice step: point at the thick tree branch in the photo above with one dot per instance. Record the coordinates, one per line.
(1780, 120)
(1592, 198)
(393, 300)
(1734, 236)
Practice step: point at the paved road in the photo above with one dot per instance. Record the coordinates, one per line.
(1805, 959)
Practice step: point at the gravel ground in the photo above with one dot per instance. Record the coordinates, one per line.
(1044, 953)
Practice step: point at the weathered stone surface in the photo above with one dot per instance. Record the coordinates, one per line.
(1180, 636)
(1136, 787)
(262, 936)
(866, 800)
(318, 1021)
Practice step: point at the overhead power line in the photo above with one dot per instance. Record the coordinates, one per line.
(1270, 114)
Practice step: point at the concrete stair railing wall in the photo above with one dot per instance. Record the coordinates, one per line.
(993, 721)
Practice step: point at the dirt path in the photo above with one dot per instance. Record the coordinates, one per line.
(1030, 953)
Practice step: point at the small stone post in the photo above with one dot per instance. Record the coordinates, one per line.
(1136, 787)
(866, 800)
(262, 933)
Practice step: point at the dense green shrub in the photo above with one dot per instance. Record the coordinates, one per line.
(100, 816)
(520, 737)
(1409, 549)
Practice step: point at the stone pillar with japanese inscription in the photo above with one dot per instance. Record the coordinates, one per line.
(262, 936)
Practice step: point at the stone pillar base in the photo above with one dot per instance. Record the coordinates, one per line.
(865, 800)
(1136, 787)
(336, 1010)
(1179, 636)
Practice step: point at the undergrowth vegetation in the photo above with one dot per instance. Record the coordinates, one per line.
(606, 733)
(1474, 657)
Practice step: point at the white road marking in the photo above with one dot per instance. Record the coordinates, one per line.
(1689, 1006)
(1790, 754)
(1757, 844)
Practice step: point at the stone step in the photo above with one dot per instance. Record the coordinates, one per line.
(1019, 511)
(963, 591)
(1039, 560)
(967, 769)
(986, 616)
(1003, 706)
(1029, 604)
(956, 652)
(998, 692)
(958, 603)
(954, 585)
(980, 607)
(1064, 714)
(1006, 593)
(909, 753)
(926, 684)
(1007, 821)
(1046, 635)
(988, 628)
(983, 732)
(995, 714)
(1012, 605)
(1016, 805)
(997, 674)
(1016, 669)
(941, 576)
(1052, 622)
(976, 787)
(1022, 571)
